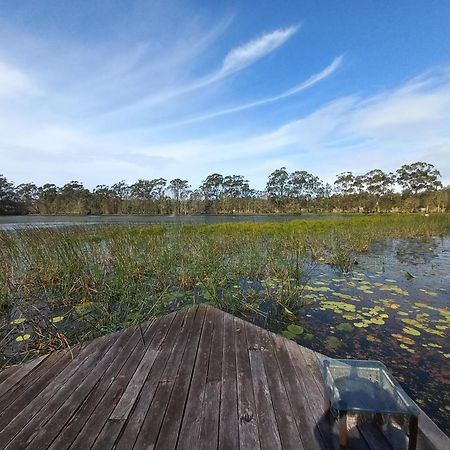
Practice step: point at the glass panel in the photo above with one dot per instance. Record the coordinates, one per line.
(364, 385)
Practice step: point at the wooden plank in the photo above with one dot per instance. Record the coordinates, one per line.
(170, 427)
(269, 435)
(16, 376)
(127, 438)
(121, 411)
(75, 370)
(151, 425)
(93, 427)
(374, 437)
(7, 371)
(314, 397)
(29, 388)
(247, 416)
(287, 426)
(296, 393)
(190, 426)
(62, 404)
(209, 431)
(229, 424)
(107, 367)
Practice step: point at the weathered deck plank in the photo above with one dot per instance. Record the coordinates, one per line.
(194, 379)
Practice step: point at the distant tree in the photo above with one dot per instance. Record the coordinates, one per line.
(212, 187)
(378, 183)
(277, 186)
(180, 191)
(8, 198)
(345, 183)
(27, 194)
(121, 190)
(418, 177)
(303, 185)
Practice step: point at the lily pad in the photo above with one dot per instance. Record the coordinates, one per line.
(18, 321)
(345, 327)
(57, 319)
(288, 335)
(295, 329)
(411, 331)
(332, 343)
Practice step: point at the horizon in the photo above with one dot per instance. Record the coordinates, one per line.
(101, 93)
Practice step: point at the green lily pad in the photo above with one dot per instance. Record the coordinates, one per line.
(295, 329)
(288, 335)
(56, 319)
(411, 331)
(23, 337)
(345, 327)
(332, 343)
(18, 321)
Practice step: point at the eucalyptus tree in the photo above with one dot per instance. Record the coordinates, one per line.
(180, 191)
(8, 198)
(74, 198)
(27, 194)
(236, 191)
(212, 187)
(121, 190)
(379, 183)
(345, 183)
(418, 177)
(277, 186)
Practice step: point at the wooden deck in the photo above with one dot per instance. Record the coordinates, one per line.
(194, 379)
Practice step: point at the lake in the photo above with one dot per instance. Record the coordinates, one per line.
(393, 307)
(8, 222)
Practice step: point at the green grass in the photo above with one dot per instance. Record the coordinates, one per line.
(106, 278)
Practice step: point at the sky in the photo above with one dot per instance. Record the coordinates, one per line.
(100, 91)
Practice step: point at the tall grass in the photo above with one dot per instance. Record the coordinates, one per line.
(110, 277)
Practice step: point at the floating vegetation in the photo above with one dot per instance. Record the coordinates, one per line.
(23, 337)
(332, 343)
(396, 290)
(56, 319)
(405, 347)
(18, 321)
(430, 293)
(345, 327)
(292, 331)
(411, 331)
(403, 339)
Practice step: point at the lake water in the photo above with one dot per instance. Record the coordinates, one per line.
(9, 222)
(393, 307)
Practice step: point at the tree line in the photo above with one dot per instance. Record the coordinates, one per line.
(412, 187)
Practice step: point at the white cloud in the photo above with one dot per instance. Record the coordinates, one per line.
(311, 81)
(246, 54)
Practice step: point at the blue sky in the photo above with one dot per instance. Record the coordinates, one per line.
(99, 91)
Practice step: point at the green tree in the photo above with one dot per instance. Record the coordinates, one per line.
(8, 198)
(277, 186)
(180, 191)
(378, 183)
(418, 177)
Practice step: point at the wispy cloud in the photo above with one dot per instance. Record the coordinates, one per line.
(235, 60)
(246, 54)
(311, 81)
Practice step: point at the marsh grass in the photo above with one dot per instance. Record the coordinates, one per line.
(106, 278)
